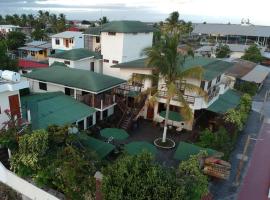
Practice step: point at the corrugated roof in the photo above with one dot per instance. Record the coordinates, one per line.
(229, 100)
(127, 27)
(240, 68)
(54, 108)
(232, 29)
(93, 31)
(31, 48)
(212, 67)
(76, 54)
(233, 47)
(35, 43)
(60, 74)
(67, 34)
(257, 75)
(185, 150)
(29, 64)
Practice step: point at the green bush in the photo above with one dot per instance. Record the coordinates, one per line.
(247, 87)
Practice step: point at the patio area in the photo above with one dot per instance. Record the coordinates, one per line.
(147, 131)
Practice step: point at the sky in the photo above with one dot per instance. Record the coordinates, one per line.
(211, 11)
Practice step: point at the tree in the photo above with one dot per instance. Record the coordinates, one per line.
(247, 87)
(195, 182)
(253, 54)
(15, 40)
(168, 65)
(103, 20)
(223, 51)
(6, 62)
(137, 177)
(39, 34)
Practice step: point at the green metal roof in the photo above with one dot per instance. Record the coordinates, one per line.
(135, 148)
(94, 31)
(53, 108)
(127, 27)
(76, 54)
(59, 73)
(228, 100)
(185, 150)
(115, 133)
(102, 149)
(174, 116)
(212, 67)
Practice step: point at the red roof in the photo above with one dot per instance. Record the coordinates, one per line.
(31, 64)
(73, 29)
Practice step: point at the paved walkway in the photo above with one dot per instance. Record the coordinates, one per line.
(256, 182)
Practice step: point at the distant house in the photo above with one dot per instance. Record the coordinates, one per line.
(93, 89)
(10, 86)
(67, 40)
(5, 29)
(36, 51)
(79, 59)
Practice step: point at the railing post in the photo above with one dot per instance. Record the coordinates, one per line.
(114, 98)
(101, 105)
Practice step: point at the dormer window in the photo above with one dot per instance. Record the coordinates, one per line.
(111, 33)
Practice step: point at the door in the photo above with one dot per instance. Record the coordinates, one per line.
(150, 112)
(14, 105)
(67, 43)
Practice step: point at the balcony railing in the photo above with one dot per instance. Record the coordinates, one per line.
(124, 89)
(189, 99)
(97, 101)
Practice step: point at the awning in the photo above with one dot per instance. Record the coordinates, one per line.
(226, 101)
(30, 49)
(135, 148)
(257, 75)
(102, 149)
(115, 133)
(185, 150)
(173, 116)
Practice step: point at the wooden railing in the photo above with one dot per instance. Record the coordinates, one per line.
(97, 101)
(124, 89)
(188, 98)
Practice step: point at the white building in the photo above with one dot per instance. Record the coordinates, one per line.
(10, 84)
(123, 41)
(5, 29)
(79, 59)
(67, 40)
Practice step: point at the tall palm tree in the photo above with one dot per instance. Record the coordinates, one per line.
(169, 66)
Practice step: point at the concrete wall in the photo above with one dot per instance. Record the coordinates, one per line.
(22, 186)
(34, 87)
(78, 42)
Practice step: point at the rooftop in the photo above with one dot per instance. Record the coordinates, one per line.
(59, 73)
(29, 64)
(53, 108)
(257, 74)
(232, 29)
(240, 68)
(67, 34)
(76, 54)
(212, 67)
(127, 27)
(93, 31)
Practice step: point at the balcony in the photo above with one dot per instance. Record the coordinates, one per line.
(100, 102)
(125, 89)
(212, 93)
(188, 98)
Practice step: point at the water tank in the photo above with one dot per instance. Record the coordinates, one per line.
(11, 76)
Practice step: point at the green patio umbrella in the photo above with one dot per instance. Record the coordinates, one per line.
(173, 116)
(115, 133)
(135, 148)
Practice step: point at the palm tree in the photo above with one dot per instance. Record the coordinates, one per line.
(103, 20)
(169, 66)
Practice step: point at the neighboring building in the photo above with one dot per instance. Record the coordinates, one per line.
(79, 59)
(244, 33)
(123, 41)
(36, 51)
(27, 66)
(237, 50)
(10, 84)
(5, 29)
(94, 89)
(67, 40)
(92, 39)
(56, 108)
(214, 83)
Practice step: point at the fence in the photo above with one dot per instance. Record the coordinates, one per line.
(22, 186)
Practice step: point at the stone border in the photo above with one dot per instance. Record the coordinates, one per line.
(163, 147)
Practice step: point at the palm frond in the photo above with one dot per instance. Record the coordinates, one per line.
(185, 110)
(196, 89)
(194, 72)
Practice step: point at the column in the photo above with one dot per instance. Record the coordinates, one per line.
(85, 123)
(75, 94)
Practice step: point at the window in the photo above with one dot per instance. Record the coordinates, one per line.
(71, 40)
(32, 53)
(115, 62)
(218, 79)
(202, 85)
(67, 62)
(40, 52)
(43, 86)
(92, 66)
(57, 41)
(105, 60)
(97, 39)
(209, 84)
(111, 33)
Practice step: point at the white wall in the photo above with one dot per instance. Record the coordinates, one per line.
(78, 42)
(4, 105)
(22, 186)
(34, 87)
